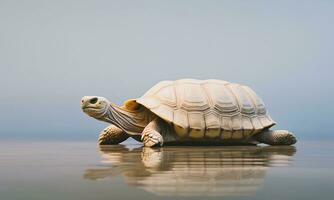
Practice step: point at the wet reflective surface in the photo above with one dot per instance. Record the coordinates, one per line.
(82, 170)
(192, 171)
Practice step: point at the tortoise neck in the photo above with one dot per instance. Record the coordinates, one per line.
(132, 122)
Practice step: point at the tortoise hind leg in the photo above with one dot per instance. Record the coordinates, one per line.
(276, 137)
(112, 135)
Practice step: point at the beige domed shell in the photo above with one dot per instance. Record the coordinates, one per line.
(206, 108)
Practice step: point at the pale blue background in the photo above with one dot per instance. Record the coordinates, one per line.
(54, 52)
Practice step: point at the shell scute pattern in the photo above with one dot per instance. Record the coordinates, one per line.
(194, 98)
(212, 124)
(167, 95)
(222, 98)
(260, 107)
(196, 124)
(181, 123)
(244, 102)
(210, 108)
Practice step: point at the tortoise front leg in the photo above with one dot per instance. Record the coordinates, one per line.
(112, 135)
(151, 134)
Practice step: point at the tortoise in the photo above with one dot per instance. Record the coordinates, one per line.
(188, 112)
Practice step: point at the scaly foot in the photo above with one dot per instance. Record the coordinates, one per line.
(277, 137)
(152, 138)
(112, 135)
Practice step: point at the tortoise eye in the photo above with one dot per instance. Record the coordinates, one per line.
(93, 100)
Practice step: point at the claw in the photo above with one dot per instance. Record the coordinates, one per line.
(111, 135)
(151, 139)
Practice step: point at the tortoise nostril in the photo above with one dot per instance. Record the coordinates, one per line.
(93, 100)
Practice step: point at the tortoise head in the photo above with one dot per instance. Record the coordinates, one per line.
(94, 106)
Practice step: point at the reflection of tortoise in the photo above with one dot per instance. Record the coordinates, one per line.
(197, 171)
(189, 112)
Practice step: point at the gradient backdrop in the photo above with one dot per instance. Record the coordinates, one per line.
(54, 52)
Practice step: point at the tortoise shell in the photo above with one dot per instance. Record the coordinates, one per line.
(208, 108)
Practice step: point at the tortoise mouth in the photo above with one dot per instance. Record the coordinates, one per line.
(91, 109)
(96, 108)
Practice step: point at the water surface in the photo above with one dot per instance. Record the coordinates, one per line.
(83, 170)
